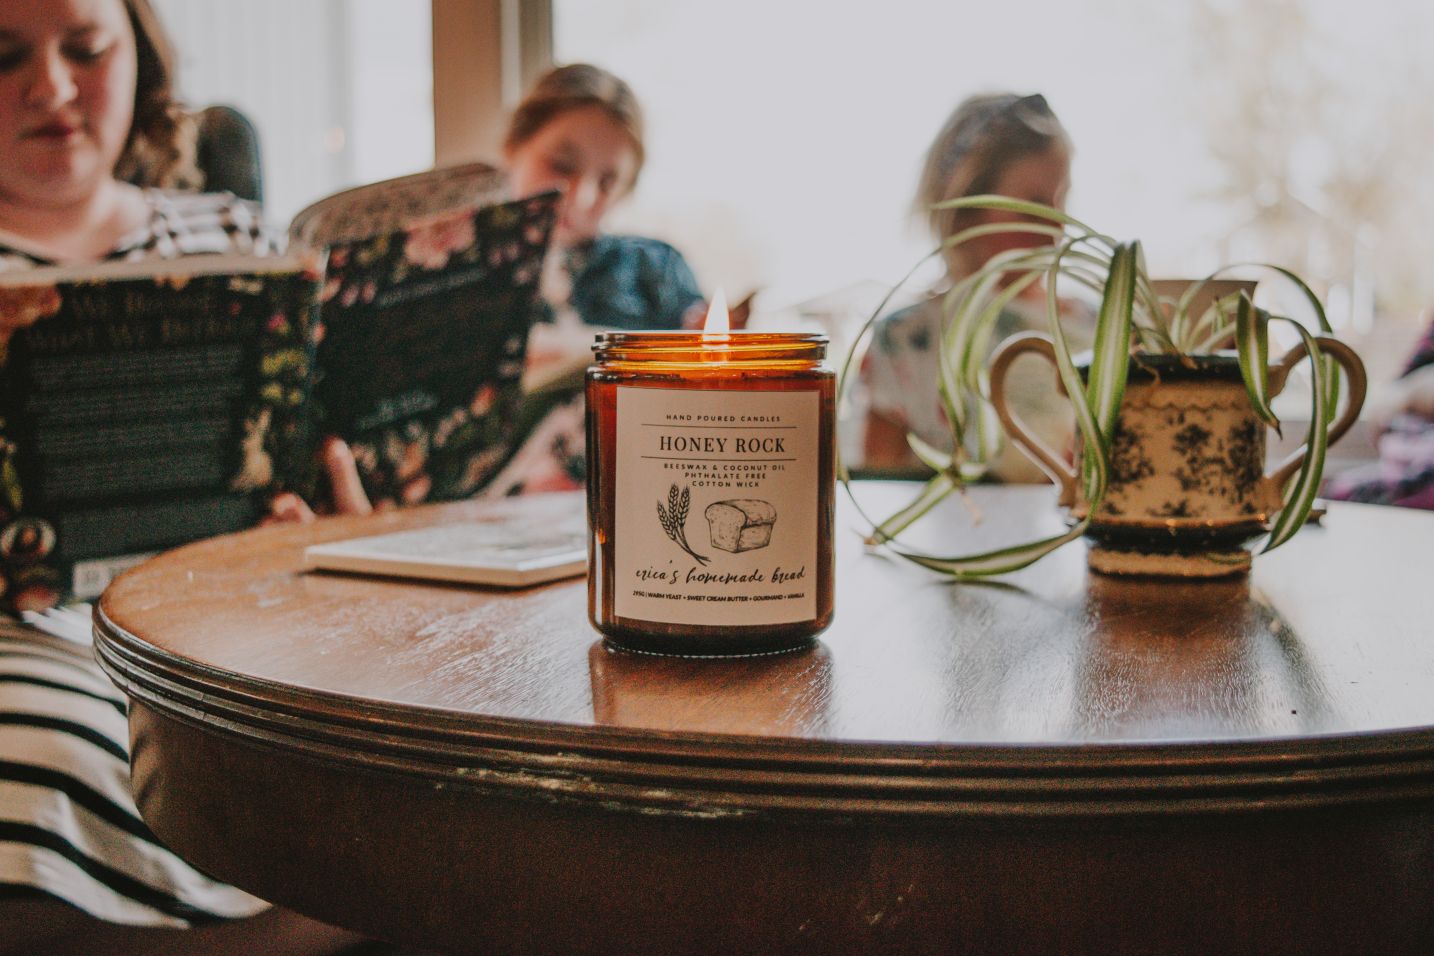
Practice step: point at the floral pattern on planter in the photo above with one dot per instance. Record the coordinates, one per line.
(1188, 452)
(1186, 488)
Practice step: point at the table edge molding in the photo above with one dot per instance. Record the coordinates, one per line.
(713, 775)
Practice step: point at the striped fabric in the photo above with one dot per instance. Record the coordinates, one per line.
(179, 224)
(68, 825)
(69, 829)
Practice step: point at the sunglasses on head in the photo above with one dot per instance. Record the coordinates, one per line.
(1023, 109)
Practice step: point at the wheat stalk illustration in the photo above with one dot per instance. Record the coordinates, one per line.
(674, 519)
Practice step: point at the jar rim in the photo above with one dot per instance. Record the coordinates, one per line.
(696, 337)
(701, 348)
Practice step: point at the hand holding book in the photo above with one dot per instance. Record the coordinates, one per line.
(346, 493)
(426, 326)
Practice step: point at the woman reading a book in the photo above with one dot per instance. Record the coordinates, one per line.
(580, 130)
(73, 131)
(84, 101)
(1001, 143)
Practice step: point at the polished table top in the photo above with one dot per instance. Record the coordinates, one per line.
(1053, 694)
(1329, 636)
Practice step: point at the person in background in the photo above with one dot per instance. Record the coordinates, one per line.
(73, 131)
(1404, 473)
(1000, 143)
(85, 99)
(580, 130)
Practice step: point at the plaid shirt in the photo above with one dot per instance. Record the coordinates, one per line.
(179, 224)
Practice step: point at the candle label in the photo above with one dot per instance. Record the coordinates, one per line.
(716, 506)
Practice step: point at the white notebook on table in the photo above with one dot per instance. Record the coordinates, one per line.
(505, 552)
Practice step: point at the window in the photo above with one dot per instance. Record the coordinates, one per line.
(785, 138)
(340, 90)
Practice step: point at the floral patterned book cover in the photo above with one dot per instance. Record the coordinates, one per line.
(146, 405)
(143, 406)
(423, 347)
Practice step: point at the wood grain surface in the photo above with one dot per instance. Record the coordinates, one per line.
(1059, 761)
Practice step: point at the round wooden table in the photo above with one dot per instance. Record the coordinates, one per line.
(1058, 762)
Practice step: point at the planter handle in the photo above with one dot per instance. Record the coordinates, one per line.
(1064, 474)
(1050, 462)
(1354, 401)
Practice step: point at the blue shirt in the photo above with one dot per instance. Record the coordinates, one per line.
(631, 282)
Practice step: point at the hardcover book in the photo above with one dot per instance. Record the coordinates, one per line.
(422, 356)
(145, 405)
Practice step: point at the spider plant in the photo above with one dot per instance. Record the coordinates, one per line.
(1132, 320)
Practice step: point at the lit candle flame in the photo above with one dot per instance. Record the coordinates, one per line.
(718, 322)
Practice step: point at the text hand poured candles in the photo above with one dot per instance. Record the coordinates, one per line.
(710, 489)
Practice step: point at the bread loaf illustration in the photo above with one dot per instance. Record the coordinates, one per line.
(741, 524)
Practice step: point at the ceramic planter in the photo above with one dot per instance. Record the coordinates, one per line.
(1188, 489)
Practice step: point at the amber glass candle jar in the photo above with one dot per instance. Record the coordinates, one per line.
(711, 486)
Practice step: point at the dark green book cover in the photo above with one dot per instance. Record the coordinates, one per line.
(146, 405)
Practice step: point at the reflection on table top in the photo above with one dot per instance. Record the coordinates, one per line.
(1329, 636)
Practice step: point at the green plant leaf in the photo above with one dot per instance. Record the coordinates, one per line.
(1148, 315)
(1096, 400)
(972, 308)
(1000, 228)
(1300, 493)
(1181, 333)
(1331, 369)
(1214, 327)
(932, 493)
(1252, 340)
(1111, 357)
(1002, 561)
(1321, 318)
(928, 454)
